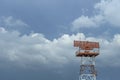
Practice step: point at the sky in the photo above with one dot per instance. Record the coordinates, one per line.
(36, 38)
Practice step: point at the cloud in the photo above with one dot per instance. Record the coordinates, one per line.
(36, 50)
(110, 51)
(11, 23)
(109, 8)
(2, 30)
(87, 22)
(106, 13)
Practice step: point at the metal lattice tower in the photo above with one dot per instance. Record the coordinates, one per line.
(87, 52)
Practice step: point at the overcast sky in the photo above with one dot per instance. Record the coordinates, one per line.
(36, 38)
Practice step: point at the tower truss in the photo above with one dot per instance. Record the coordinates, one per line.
(87, 52)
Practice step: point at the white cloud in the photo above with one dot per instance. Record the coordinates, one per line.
(110, 10)
(87, 22)
(35, 49)
(107, 12)
(2, 30)
(11, 23)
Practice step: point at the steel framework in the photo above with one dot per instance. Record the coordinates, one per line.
(87, 52)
